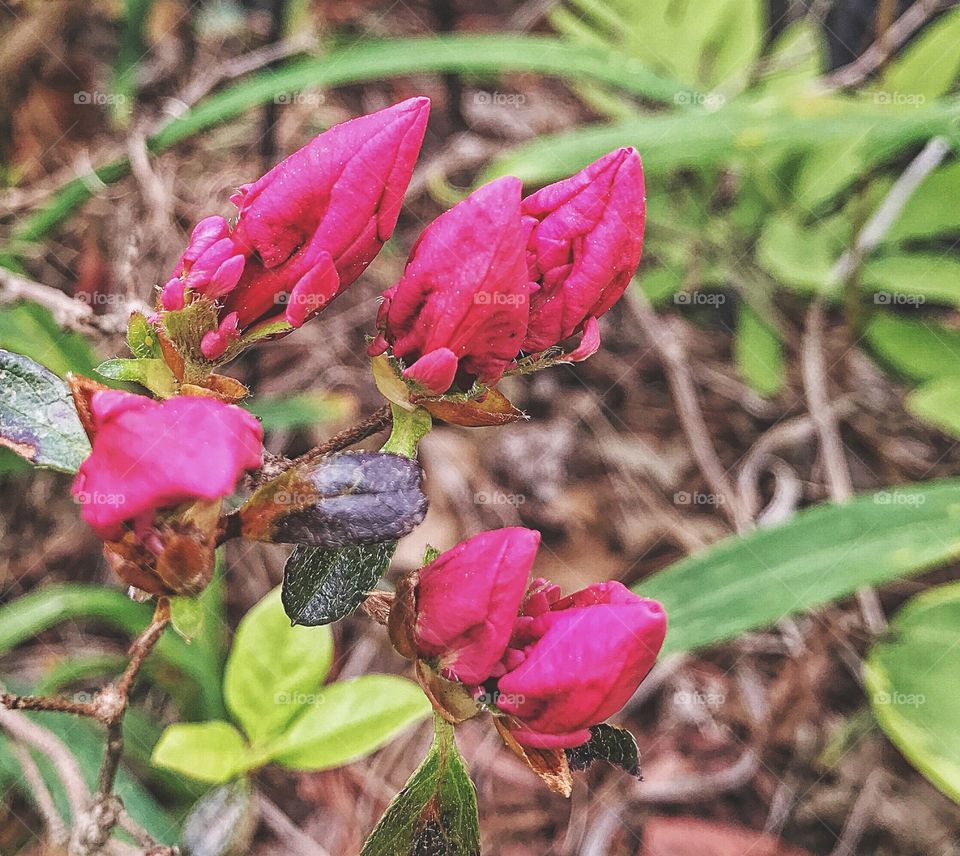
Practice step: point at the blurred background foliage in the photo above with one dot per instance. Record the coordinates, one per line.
(801, 173)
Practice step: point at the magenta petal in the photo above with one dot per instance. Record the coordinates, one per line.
(312, 292)
(434, 371)
(468, 597)
(589, 343)
(172, 296)
(465, 287)
(226, 277)
(215, 343)
(584, 246)
(151, 454)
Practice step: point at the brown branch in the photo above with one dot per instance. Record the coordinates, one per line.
(373, 424)
(890, 41)
(677, 369)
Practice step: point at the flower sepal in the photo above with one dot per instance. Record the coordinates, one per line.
(549, 764)
(174, 554)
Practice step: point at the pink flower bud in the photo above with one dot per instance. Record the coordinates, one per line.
(575, 661)
(461, 306)
(585, 243)
(149, 455)
(309, 227)
(467, 601)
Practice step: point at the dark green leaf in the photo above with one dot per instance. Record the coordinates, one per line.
(752, 581)
(322, 586)
(222, 822)
(338, 501)
(918, 350)
(436, 812)
(616, 746)
(37, 417)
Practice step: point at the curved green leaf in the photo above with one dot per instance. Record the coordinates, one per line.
(212, 752)
(350, 719)
(749, 582)
(914, 683)
(274, 670)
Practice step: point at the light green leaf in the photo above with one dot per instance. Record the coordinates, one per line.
(349, 719)
(800, 256)
(142, 338)
(436, 812)
(758, 354)
(927, 67)
(212, 752)
(825, 553)
(274, 670)
(919, 350)
(150, 373)
(913, 679)
(926, 214)
(913, 279)
(937, 403)
(187, 616)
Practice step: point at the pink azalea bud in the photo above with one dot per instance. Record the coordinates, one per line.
(149, 455)
(585, 243)
(309, 227)
(462, 303)
(468, 598)
(575, 661)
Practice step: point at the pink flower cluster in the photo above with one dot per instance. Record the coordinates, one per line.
(498, 274)
(556, 665)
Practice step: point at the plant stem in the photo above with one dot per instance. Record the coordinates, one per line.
(373, 424)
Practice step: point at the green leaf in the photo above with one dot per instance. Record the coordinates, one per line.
(348, 720)
(913, 279)
(142, 338)
(29, 329)
(919, 350)
(212, 752)
(274, 670)
(739, 132)
(322, 586)
(758, 353)
(927, 67)
(187, 616)
(455, 54)
(937, 403)
(822, 554)
(913, 679)
(150, 373)
(222, 822)
(801, 256)
(37, 418)
(27, 616)
(925, 216)
(616, 746)
(307, 410)
(436, 812)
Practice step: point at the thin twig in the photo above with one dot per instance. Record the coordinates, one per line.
(56, 828)
(683, 388)
(35, 735)
(373, 424)
(875, 56)
(890, 208)
(814, 370)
